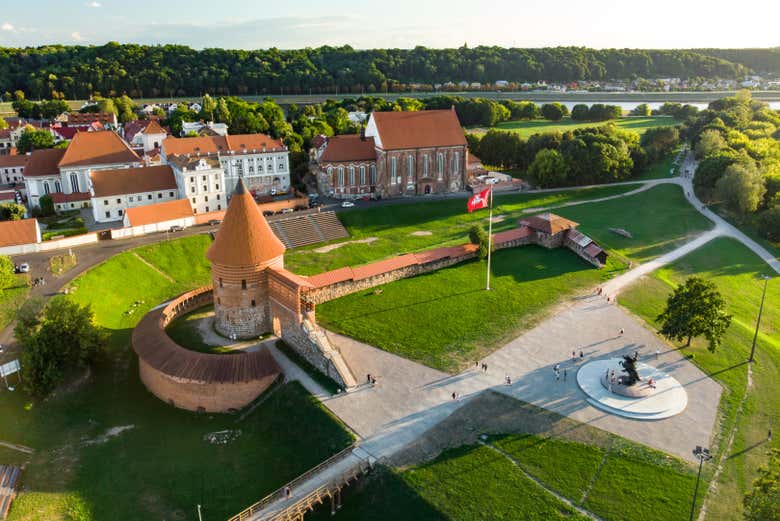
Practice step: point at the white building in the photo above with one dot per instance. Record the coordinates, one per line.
(114, 191)
(12, 168)
(187, 127)
(201, 180)
(65, 174)
(261, 160)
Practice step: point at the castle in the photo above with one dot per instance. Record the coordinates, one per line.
(254, 295)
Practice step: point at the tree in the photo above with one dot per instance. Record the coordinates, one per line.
(695, 308)
(643, 109)
(710, 142)
(478, 236)
(548, 168)
(762, 503)
(741, 187)
(208, 106)
(34, 140)
(769, 224)
(552, 111)
(580, 112)
(222, 112)
(46, 205)
(660, 141)
(12, 212)
(55, 339)
(7, 277)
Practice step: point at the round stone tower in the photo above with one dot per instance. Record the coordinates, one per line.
(243, 250)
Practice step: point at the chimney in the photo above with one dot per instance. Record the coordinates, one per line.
(362, 133)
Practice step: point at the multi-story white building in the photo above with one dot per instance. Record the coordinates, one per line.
(114, 191)
(201, 180)
(12, 168)
(69, 187)
(262, 161)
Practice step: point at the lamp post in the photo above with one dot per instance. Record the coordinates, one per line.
(703, 455)
(758, 321)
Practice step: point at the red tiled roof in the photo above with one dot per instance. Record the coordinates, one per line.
(419, 129)
(13, 233)
(44, 162)
(244, 238)
(66, 132)
(15, 160)
(96, 148)
(79, 118)
(153, 128)
(132, 180)
(514, 234)
(59, 197)
(349, 148)
(383, 266)
(159, 212)
(213, 144)
(8, 196)
(549, 223)
(593, 249)
(330, 277)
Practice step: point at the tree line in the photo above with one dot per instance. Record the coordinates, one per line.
(737, 142)
(77, 72)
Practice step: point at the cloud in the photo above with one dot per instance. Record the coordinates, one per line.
(94, 4)
(77, 36)
(7, 27)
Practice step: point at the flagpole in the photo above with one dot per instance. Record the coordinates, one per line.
(490, 237)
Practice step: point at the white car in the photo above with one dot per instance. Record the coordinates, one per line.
(23, 268)
(347, 204)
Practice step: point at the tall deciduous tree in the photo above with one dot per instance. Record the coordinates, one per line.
(710, 142)
(762, 503)
(11, 212)
(32, 139)
(552, 111)
(548, 168)
(695, 308)
(55, 338)
(741, 187)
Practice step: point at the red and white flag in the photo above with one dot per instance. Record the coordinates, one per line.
(479, 200)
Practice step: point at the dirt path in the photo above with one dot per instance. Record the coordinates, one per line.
(155, 268)
(331, 247)
(16, 446)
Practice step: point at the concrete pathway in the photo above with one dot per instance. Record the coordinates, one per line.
(293, 372)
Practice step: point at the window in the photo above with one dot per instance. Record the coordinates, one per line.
(393, 169)
(217, 187)
(330, 172)
(372, 175)
(253, 302)
(159, 195)
(456, 165)
(220, 282)
(204, 177)
(207, 208)
(243, 283)
(120, 213)
(170, 194)
(194, 201)
(74, 182)
(192, 179)
(219, 207)
(57, 186)
(205, 188)
(149, 197)
(425, 165)
(105, 202)
(108, 214)
(206, 198)
(192, 189)
(362, 174)
(440, 164)
(118, 201)
(352, 176)
(341, 176)
(219, 197)
(410, 167)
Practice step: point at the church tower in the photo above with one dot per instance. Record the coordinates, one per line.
(243, 250)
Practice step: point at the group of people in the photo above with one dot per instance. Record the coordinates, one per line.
(39, 281)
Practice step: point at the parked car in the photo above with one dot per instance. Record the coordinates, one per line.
(347, 204)
(22, 268)
(288, 210)
(214, 222)
(175, 228)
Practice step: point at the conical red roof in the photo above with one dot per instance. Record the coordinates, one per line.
(244, 238)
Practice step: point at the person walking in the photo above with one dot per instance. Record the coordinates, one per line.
(484, 367)
(582, 355)
(564, 374)
(368, 378)
(574, 356)
(657, 353)
(287, 492)
(622, 331)
(454, 395)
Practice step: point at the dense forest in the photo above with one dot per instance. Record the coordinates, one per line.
(171, 70)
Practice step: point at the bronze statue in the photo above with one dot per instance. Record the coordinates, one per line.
(629, 366)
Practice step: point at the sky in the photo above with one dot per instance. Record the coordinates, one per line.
(259, 24)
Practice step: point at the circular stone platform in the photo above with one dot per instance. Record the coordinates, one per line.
(639, 402)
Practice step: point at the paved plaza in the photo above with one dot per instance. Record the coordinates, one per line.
(410, 398)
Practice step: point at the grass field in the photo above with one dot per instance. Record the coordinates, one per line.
(527, 128)
(659, 220)
(447, 221)
(734, 269)
(13, 297)
(446, 319)
(622, 482)
(157, 464)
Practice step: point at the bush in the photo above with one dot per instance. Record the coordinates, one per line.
(769, 224)
(580, 112)
(548, 169)
(7, 277)
(553, 111)
(478, 235)
(46, 205)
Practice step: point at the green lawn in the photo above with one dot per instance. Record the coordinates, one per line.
(734, 269)
(662, 169)
(161, 467)
(659, 220)
(13, 297)
(446, 319)
(535, 126)
(184, 331)
(447, 221)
